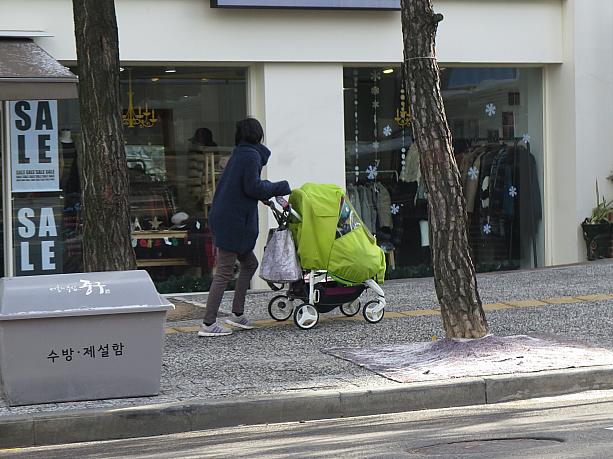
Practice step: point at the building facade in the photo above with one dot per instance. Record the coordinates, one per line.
(528, 88)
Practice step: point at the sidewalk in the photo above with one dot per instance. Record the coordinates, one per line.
(279, 367)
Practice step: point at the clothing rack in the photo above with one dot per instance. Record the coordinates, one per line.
(509, 141)
(384, 171)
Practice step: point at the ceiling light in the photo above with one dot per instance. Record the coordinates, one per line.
(155, 79)
(388, 71)
(204, 79)
(121, 69)
(170, 70)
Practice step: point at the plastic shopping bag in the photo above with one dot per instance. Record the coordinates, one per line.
(280, 262)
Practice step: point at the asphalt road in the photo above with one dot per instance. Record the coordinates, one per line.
(573, 426)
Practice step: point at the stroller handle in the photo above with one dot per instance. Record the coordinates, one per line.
(287, 209)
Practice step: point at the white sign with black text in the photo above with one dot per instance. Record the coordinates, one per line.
(34, 146)
(37, 236)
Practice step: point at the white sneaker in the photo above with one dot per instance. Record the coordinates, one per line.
(240, 321)
(213, 330)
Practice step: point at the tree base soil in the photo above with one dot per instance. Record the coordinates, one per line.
(458, 358)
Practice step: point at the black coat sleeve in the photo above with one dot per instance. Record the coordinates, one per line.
(255, 187)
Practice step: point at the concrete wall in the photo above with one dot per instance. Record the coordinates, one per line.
(579, 106)
(177, 31)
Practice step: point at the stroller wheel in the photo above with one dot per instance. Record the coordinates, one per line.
(351, 309)
(373, 311)
(306, 316)
(280, 308)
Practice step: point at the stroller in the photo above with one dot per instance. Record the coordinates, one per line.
(339, 257)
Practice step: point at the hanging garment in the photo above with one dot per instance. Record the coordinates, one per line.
(354, 199)
(366, 212)
(372, 195)
(421, 196)
(384, 207)
(473, 180)
(484, 178)
(411, 171)
(367, 207)
(502, 190)
(467, 162)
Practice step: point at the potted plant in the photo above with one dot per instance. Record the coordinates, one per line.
(598, 229)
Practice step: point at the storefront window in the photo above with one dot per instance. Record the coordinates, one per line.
(495, 115)
(179, 130)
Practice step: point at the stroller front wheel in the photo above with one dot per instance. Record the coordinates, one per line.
(280, 308)
(373, 311)
(306, 316)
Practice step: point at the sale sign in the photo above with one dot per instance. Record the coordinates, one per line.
(34, 146)
(37, 235)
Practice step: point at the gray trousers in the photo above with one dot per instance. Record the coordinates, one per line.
(223, 275)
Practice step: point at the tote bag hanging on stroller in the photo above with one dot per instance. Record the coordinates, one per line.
(280, 263)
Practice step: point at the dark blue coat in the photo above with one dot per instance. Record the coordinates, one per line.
(233, 219)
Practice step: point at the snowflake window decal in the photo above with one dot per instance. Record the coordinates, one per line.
(375, 145)
(490, 109)
(473, 173)
(512, 191)
(375, 75)
(375, 90)
(525, 138)
(487, 228)
(394, 209)
(387, 131)
(375, 104)
(371, 172)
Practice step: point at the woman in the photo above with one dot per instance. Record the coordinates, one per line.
(233, 220)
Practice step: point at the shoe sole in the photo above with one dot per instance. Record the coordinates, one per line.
(203, 334)
(236, 324)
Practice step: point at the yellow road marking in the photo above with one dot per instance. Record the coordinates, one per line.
(420, 312)
(562, 300)
(188, 329)
(601, 297)
(496, 306)
(513, 304)
(525, 303)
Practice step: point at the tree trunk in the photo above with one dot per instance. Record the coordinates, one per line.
(454, 273)
(102, 163)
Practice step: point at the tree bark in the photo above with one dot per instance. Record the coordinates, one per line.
(454, 273)
(102, 163)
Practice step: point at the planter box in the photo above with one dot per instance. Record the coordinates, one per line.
(598, 239)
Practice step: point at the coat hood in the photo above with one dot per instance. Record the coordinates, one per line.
(263, 150)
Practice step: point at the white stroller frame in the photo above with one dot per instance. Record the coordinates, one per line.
(306, 314)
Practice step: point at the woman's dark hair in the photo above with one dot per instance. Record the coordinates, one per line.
(248, 130)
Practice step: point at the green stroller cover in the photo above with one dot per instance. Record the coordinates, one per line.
(332, 237)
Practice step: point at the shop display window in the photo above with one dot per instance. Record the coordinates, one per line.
(495, 115)
(179, 130)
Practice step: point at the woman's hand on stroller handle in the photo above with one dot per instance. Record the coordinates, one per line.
(282, 202)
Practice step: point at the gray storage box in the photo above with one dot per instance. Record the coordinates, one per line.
(84, 336)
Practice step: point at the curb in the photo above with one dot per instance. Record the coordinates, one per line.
(144, 421)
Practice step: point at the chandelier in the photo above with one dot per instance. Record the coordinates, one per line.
(137, 118)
